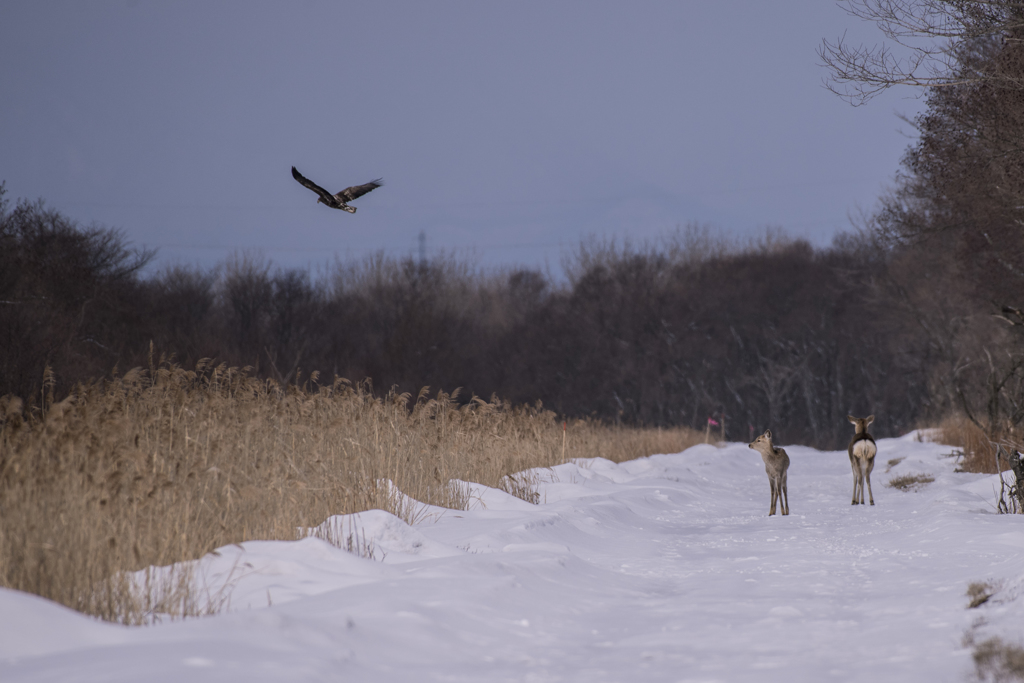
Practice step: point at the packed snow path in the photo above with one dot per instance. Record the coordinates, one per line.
(660, 569)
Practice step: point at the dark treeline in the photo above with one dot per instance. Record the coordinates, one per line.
(770, 333)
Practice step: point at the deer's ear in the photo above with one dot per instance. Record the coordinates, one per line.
(852, 419)
(767, 433)
(869, 419)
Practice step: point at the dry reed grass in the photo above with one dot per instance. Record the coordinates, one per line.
(163, 465)
(978, 445)
(979, 453)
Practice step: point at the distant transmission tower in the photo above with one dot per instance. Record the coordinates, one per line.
(423, 249)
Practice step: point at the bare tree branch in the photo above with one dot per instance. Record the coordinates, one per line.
(930, 42)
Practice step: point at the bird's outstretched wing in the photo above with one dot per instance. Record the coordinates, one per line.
(350, 193)
(324, 194)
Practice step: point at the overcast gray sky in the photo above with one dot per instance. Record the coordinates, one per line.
(507, 130)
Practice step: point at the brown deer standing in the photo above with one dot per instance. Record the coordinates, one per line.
(862, 451)
(776, 464)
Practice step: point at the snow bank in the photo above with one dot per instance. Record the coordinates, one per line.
(660, 569)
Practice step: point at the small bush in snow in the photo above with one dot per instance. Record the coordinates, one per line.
(998, 661)
(979, 592)
(910, 482)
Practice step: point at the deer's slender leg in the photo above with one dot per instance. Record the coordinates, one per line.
(856, 476)
(784, 495)
(860, 481)
(868, 466)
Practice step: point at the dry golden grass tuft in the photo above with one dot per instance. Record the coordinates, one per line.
(910, 482)
(163, 465)
(980, 592)
(892, 463)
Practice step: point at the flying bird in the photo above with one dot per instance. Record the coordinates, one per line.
(340, 200)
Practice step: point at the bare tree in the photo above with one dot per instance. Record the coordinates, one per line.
(932, 43)
(956, 214)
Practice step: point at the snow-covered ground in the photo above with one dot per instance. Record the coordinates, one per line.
(660, 569)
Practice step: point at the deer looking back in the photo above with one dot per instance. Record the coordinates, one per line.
(862, 451)
(776, 463)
